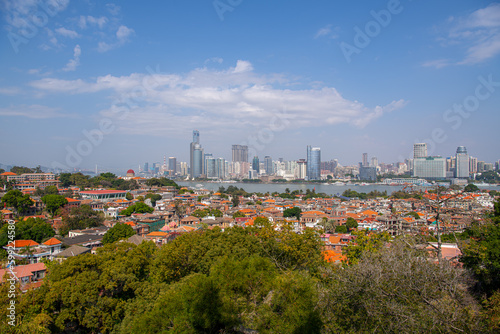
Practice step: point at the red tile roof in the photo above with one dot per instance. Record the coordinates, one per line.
(102, 192)
(22, 243)
(52, 242)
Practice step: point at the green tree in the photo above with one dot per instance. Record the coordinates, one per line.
(292, 212)
(341, 229)
(471, 188)
(16, 199)
(154, 198)
(118, 232)
(395, 290)
(366, 242)
(351, 223)
(481, 255)
(238, 214)
(137, 208)
(54, 202)
(235, 201)
(80, 218)
(65, 179)
(129, 196)
(21, 170)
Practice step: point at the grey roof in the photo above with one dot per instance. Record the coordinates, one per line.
(136, 239)
(73, 251)
(81, 239)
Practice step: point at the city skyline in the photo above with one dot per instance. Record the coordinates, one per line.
(108, 87)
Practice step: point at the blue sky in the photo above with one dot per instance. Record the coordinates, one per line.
(118, 84)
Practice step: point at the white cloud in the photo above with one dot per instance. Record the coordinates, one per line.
(92, 21)
(438, 63)
(75, 62)
(217, 60)
(477, 33)
(113, 9)
(32, 111)
(236, 99)
(17, 12)
(327, 31)
(122, 36)
(243, 66)
(9, 90)
(67, 33)
(123, 33)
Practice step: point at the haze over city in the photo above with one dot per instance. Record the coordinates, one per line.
(370, 76)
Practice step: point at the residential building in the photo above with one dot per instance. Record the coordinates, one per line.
(240, 153)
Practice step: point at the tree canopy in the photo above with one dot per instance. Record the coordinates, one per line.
(118, 232)
(292, 212)
(54, 202)
(139, 207)
(19, 201)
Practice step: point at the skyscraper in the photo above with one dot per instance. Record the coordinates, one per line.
(419, 150)
(365, 159)
(240, 153)
(462, 163)
(172, 164)
(196, 156)
(268, 165)
(313, 163)
(256, 164)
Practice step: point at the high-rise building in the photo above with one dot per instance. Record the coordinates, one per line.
(268, 165)
(196, 156)
(462, 163)
(183, 168)
(172, 164)
(430, 168)
(301, 169)
(196, 136)
(419, 150)
(374, 162)
(367, 173)
(313, 163)
(365, 160)
(146, 167)
(256, 164)
(240, 153)
(210, 168)
(472, 165)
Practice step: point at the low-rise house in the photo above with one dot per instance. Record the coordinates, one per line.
(29, 275)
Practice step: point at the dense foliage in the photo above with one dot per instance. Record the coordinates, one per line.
(118, 232)
(17, 200)
(139, 207)
(242, 280)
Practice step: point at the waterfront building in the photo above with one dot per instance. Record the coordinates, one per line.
(462, 163)
(313, 163)
(419, 150)
(430, 167)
